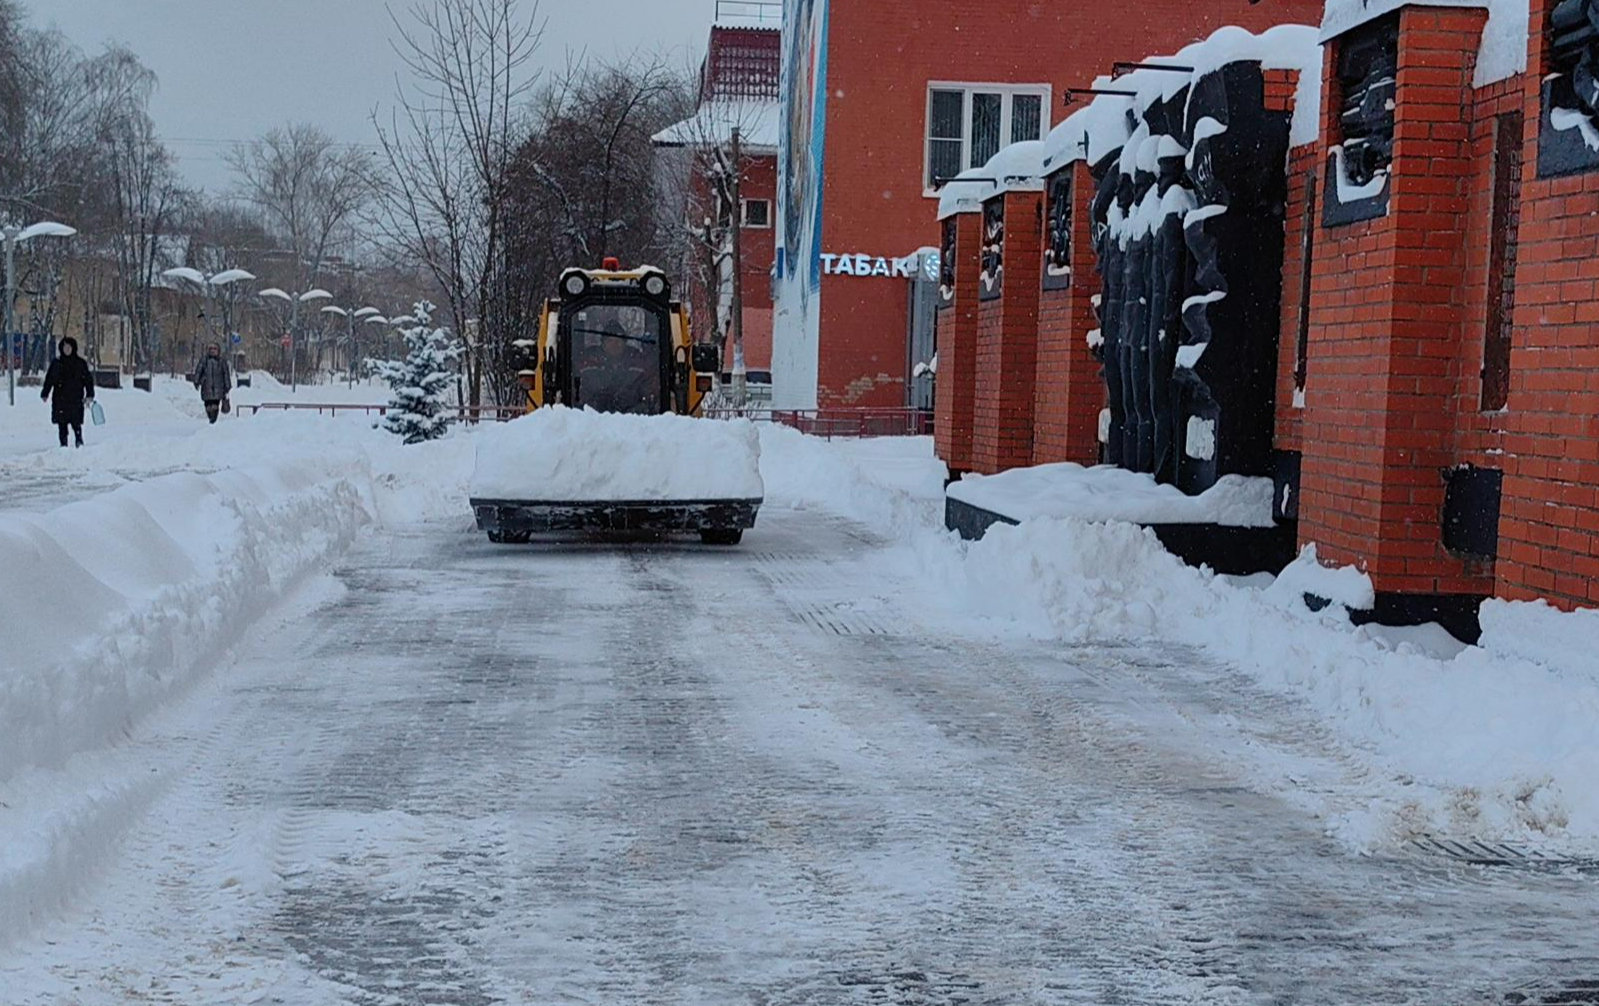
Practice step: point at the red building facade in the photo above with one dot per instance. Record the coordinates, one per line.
(883, 102)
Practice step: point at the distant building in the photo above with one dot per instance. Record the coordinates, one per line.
(738, 91)
(883, 103)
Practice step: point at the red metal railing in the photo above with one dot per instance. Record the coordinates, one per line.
(840, 422)
(463, 413)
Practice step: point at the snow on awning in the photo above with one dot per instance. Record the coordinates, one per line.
(756, 121)
(965, 192)
(1503, 52)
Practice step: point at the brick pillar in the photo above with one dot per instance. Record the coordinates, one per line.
(1387, 328)
(1069, 392)
(1549, 506)
(954, 388)
(1007, 344)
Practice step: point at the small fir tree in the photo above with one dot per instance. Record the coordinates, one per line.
(419, 382)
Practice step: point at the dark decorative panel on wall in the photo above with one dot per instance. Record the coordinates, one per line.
(1189, 238)
(991, 279)
(1058, 194)
(946, 263)
(1471, 510)
(1568, 131)
(1357, 169)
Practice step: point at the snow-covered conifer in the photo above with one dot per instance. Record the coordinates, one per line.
(419, 382)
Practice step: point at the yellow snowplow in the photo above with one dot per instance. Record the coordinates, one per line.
(615, 341)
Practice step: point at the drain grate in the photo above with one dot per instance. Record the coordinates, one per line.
(1499, 854)
(839, 620)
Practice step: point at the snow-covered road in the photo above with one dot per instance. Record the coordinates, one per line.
(663, 773)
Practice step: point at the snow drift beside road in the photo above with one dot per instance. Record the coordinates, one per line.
(558, 455)
(111, 603)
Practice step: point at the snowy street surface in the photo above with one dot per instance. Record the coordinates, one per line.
(663, 773)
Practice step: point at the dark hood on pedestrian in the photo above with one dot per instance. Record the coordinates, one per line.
(69, 341)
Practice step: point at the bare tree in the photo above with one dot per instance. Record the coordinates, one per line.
(448, 144)
(309, 191)
(716, 161)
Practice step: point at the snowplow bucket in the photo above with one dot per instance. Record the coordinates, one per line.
(516, 518)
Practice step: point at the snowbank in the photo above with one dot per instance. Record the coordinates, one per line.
(113, 605)
(109, 604)
(1104, 492)
(1494, 741)
(1497, 742)
(893, 484)
(562, 455)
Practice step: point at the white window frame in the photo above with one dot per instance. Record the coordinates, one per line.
(1008, 92)
(744, 214)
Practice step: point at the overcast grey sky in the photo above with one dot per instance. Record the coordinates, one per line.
(230, 69)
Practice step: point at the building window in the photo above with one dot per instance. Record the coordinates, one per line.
(1307, 258)
(1358, 166)
(968, 123)
(1503, 229)
(1568, 135)
(757, 213)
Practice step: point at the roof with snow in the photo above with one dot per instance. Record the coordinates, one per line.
(1504, 38)
(757, 122)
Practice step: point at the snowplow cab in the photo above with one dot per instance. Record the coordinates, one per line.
(616, 340)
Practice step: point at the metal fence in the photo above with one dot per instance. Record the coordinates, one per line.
(463, 413)
(827, 423)
(840, 422)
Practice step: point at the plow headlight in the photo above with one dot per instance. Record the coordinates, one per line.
(574, 284)
(655, 286)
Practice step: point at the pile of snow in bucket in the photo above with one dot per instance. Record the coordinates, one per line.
(570, 455)
(1108, 493)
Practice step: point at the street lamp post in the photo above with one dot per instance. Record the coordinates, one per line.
(367, 314)
(14, 236)
(295, 300)
(210, 287)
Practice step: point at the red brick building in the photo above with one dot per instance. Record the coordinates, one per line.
(884, 101)
(1435, 402)
(738, 91)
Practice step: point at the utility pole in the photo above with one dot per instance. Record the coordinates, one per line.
(11, 363)
(738, 277)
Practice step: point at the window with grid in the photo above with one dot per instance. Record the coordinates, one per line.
(969, 123)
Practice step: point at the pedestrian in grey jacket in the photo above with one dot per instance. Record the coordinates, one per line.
(212, 378)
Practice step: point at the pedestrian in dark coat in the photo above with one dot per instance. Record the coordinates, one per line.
(70, 381)
(212, 378)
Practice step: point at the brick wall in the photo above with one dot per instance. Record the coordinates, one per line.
(1068, 392)
(1387, 330)
(1549, 514)
(954, 391)
(1007, 345)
